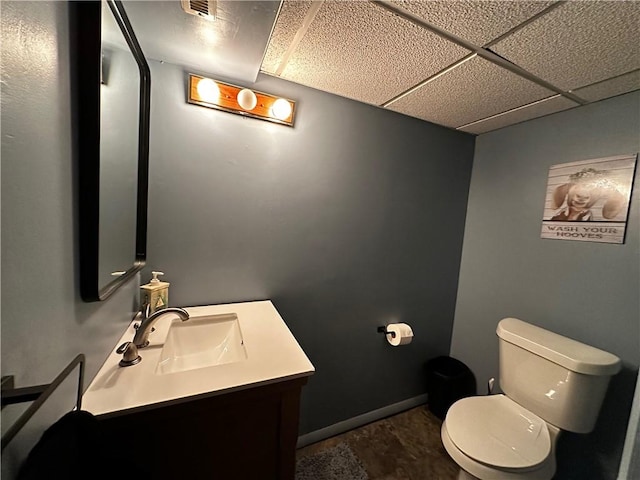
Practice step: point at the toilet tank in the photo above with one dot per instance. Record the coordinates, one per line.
(559, 379)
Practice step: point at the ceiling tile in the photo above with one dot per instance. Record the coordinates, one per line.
(289, 21)
(361, 51)
(475, 89)
(554, 104)
(578, 43)
(609, 88)
(476, 22)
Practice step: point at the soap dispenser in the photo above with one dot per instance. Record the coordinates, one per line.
(155, 294)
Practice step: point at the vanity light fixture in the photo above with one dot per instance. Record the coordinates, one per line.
(210, 93)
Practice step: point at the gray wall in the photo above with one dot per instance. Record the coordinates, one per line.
(586, 291)
(350, 220)
(44, 322)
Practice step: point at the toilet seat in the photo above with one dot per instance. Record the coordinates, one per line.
(497, 432)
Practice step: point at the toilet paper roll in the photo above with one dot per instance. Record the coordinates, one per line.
(403, 334)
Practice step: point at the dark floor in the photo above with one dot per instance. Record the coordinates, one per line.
(406, 446)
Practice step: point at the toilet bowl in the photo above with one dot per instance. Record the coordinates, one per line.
(551, 383)
(494, 438)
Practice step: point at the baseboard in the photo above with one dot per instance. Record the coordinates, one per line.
(360, 420)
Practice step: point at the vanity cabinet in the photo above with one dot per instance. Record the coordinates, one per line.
(236, 420)
(248, 434)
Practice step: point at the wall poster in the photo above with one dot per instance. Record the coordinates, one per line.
(589, 200)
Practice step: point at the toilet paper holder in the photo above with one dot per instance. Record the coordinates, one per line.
(384, 330)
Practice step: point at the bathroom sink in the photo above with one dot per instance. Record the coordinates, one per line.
(201, 342)
(220, 349)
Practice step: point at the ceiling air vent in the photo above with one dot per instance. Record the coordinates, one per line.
(202, 8)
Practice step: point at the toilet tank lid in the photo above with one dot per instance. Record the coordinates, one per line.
(568, 353)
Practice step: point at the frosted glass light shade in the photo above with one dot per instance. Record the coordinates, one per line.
(281, 109)
(247, 99)
(208, 90)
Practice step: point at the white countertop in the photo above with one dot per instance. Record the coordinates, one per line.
(273, 355)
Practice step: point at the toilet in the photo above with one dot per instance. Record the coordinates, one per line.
(550, 383)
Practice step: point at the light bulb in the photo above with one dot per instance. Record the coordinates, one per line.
(281, 109)
(208, 90)
(247, 99)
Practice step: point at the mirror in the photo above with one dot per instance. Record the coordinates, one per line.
(112, 88)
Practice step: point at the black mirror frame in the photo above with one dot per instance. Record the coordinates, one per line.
(85, 28)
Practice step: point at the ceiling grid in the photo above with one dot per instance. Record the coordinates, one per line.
(448, 102)
(471, 65)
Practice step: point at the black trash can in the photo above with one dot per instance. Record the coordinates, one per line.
(448, 380)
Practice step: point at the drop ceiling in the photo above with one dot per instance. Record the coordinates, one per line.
(473, 66)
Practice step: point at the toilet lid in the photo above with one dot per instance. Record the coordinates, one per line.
(497, 431)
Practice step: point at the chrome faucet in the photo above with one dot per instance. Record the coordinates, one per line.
(141, 338)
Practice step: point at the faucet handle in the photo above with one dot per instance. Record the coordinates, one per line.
(129, 354)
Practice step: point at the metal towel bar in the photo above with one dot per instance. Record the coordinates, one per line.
(38, 395)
